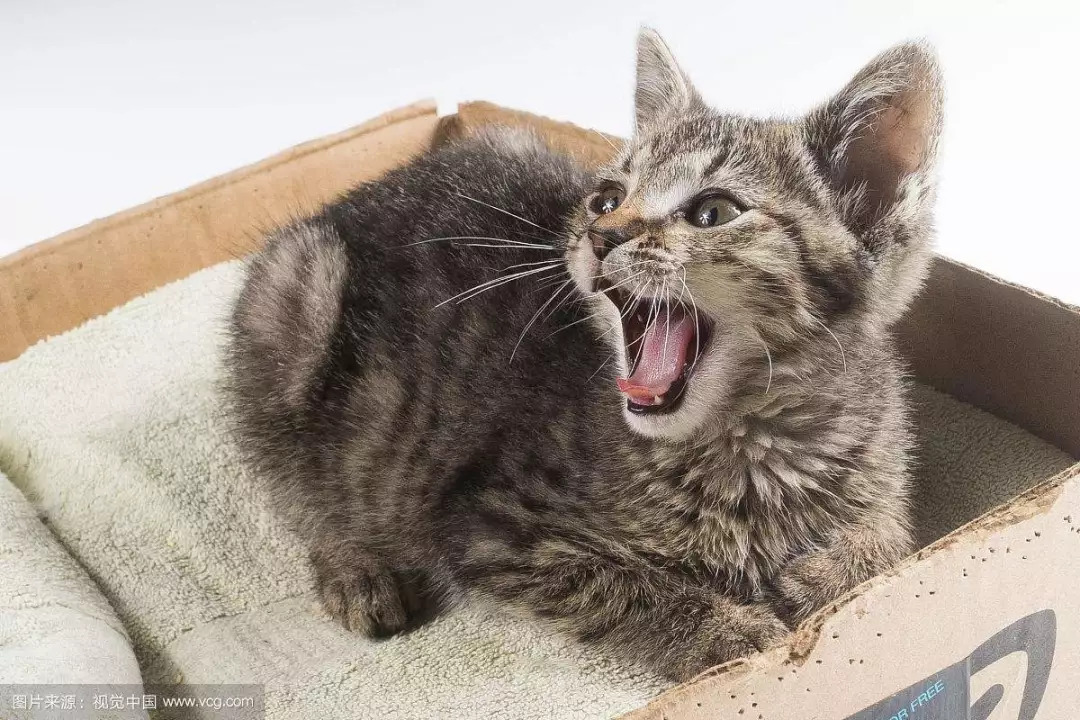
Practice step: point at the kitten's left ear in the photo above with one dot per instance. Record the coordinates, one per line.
(876, 140)
(662, 87)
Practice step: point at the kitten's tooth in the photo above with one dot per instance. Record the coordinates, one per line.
(656, 400)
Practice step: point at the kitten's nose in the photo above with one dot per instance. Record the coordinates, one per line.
(606, 239)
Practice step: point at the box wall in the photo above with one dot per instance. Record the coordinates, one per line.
(57, 284)
(1000, 347)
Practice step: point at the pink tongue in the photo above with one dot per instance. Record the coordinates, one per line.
(662, 357)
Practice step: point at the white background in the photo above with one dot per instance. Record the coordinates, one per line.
(107, 103)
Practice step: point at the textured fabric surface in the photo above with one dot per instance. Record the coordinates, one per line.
(55, 626)
(969, 462)
(114, 434)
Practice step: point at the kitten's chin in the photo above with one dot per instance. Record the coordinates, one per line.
(677, 425)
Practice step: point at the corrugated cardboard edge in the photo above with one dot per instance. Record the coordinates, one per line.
(723, 690)
(59, 283)
(1028, 504)
(590, 147)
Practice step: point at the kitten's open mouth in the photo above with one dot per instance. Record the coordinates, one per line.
(664, 340)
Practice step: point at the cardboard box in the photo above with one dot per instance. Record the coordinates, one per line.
(978, 624)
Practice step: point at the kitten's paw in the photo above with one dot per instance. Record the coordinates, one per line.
(808, 583)
(814, 579)
(364, 600)
(743, 630)
(733, 632)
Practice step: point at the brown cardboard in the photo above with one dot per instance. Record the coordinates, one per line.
(1000, 347)
(590, 147)
(1003, 348)
(59, 283)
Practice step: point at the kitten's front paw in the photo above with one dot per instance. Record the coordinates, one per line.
(814, 579)
(364, 599)
(734, 631)
(807, 583)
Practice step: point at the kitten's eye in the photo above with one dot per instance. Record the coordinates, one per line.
(713, 211)
(607, 200)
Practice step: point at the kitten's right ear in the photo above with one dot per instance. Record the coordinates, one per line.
(662, 87)
(880, 132)
(875, 143)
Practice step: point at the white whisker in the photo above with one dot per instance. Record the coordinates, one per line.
(522, 246)
(626, 280)
(697, 326)
(488, 284)
(551, 263)
(631, 266)
(628, 305)
(768, 356)
(576, 322)
(507, 280)
(654, 314)
(503, 242)
(605, 138)
(535, 316)
(553, 280)
(597, 372)
(667, 328)
(843, 358)
(506, 212)
(570, 296)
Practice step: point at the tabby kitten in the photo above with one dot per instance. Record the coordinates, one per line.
(658, 406)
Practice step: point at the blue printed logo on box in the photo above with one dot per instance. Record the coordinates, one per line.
(945, 695)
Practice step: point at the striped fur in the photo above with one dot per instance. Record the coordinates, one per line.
(431, 451)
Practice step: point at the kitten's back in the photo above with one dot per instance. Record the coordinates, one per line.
(366, 274)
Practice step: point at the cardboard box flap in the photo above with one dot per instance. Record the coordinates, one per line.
(57, 284)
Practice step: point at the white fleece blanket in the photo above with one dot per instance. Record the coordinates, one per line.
(55, 626)
(113, 432)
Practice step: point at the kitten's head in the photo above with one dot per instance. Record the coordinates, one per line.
(715, 241)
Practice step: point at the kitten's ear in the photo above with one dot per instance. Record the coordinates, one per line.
(662, 87)
(876, 140)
